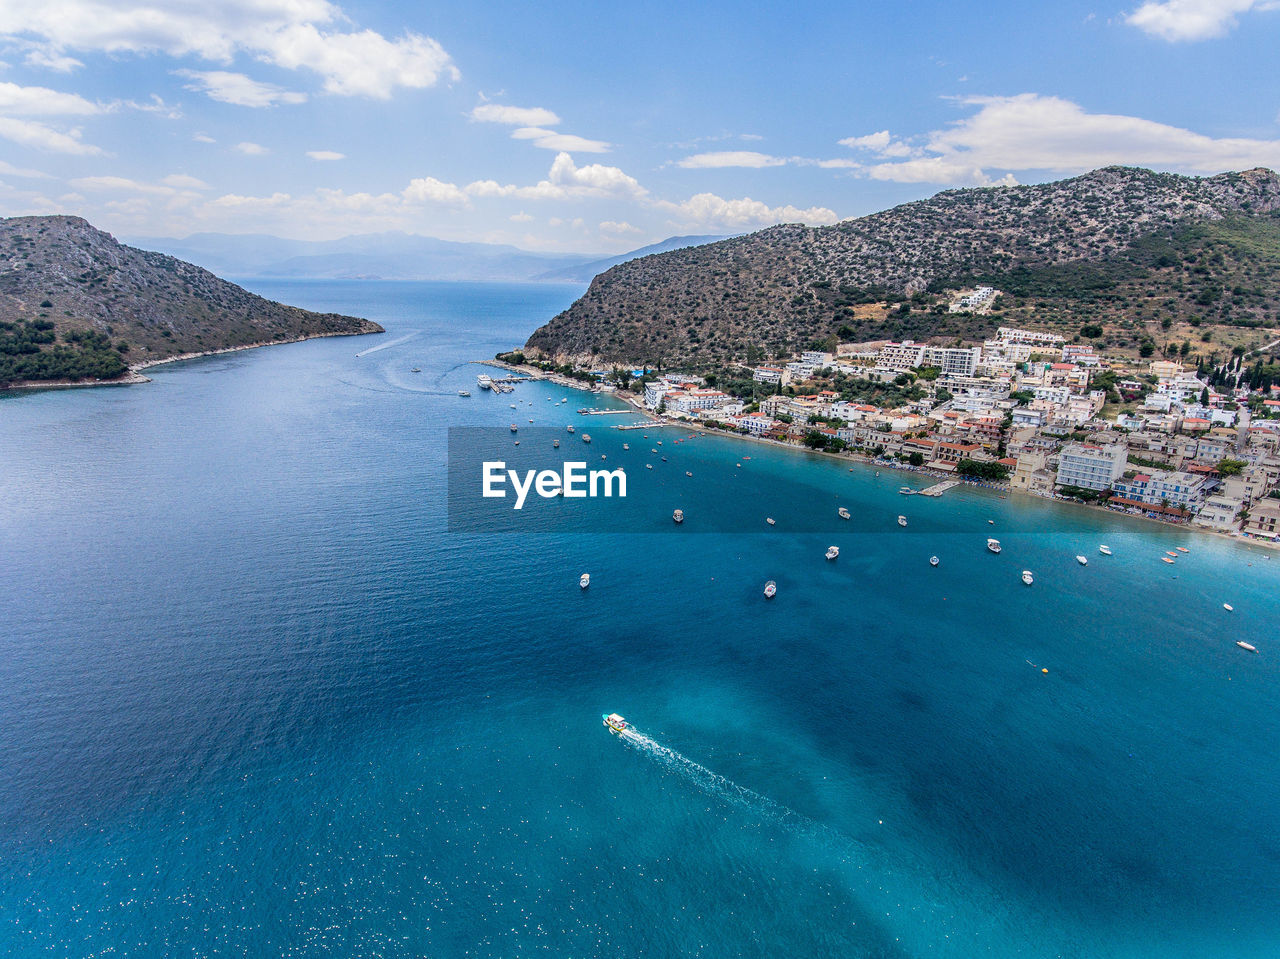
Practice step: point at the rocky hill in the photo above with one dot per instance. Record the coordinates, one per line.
(76, 305)
(1145, 240)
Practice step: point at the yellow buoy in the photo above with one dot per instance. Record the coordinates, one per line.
(1044, 670)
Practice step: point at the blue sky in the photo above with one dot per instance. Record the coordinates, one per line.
(600, 127)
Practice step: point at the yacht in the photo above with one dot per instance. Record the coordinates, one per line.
(416, 369)
(1082, 560)
(1104, 550)
(1249, 646)
(678, 516)
(569, 428)
(616, 723)
(1027, 577)
(902, 521)
(464, 393)
(833, 552)
(844, 513)
(933, 561)
(993, 545)
(770, 589)
(584, 580)
(484, 382)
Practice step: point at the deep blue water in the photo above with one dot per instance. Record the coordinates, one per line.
(257, 699)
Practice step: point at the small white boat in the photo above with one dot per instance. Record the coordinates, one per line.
(648, 466)
(1166, 559)
(993, 545)
(1228, 607)
(416, 369)
(556, 444)
(513, 406)
(686, 472)
(991, 522)
(933, 561)
(1104, 550)
(584, 580)
(1082, 560)
(626, 446)
(906, 490)
(833, 552)
(902, 521)
(1249, 646)
(678, 516)
(463, 393)
(569, 428)
(514, 428)
(770, 520)
(616, 723)
(517, 442)
(1182, 549)
(1027, 577)
(586, 437)
(844, 513)
(770, 589)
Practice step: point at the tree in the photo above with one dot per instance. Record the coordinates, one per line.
(916, 459)
(1231, 467)
(928, 373)
(1146, 348)
(1204, 396)
(1091, 330)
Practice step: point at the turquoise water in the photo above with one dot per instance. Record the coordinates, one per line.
(257, 699)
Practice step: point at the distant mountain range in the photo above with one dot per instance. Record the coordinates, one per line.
(389, 256)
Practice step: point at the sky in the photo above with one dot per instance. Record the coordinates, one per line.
(596, 127)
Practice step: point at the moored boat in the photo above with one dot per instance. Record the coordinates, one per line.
(1249, 646)
(770, 589)
(1104, 550)
(514, 428)
(463, 393)
(1228, 607)
(1082, 560)
(843, 513)
(902, 521)
(1166, 559)
(1182, 549)
(833, 552)
(586, 437)
(484, 382)
(584, 580)
(1027, 577)
(770, 520)
(556, 444)
(678, 516)
(569, 428)
(933, 561)
(993, 545)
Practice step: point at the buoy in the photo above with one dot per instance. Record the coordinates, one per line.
(1044, 670)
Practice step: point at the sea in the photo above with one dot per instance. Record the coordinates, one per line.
(276, 680)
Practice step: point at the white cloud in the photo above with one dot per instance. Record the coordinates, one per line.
(119, 184)
(182, 181)
(428, 189)
(251, 149)
(707, 209)
(326, 155)
(40, 136)
(203, 138)
(1176, 20)
(551, 140)
(59, 63)
(566, 180)
(520, 217)
(1033, 132)
(618, 228)
(730, 158)
(8, 169)
(41, 101)
(293, 34)
(880, 143)
(515, 116)
(236, 88)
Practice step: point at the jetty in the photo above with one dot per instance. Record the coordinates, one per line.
(652, 425)
(596, 412)
(937, 489)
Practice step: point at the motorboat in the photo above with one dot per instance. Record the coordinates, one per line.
(1166, 559)
(1228, 607)
(517, 442)
(648, 466)
(993, 545)
(686, 472)
(1027, 577)
(556, 444)
(844, 513)
(464, 393)
(678, 516)
(833, 552)
(584, 580)
(513, 406)
(616, 723)
(626, 446)
(569, 428)
(1104, 550)
(902, 521)
(416, 369)
(770, 589)
(514, 428)
(906, 490)
(1182, 549)
(1082, 560)
(770, 520)
(586, 437)
(933, 561)
(1248, 646)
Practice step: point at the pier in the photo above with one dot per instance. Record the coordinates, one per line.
(938, 488)
(595, 412)
(651, 425)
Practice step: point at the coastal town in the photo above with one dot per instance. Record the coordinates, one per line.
(1024, 410)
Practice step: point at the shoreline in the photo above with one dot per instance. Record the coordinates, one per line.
(862, 459)
(134, 375)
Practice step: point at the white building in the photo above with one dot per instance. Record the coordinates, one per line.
(1091, 467)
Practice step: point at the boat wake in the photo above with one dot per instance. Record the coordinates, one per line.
(713, 784)
(386, 346)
